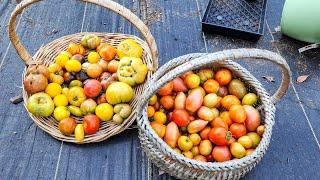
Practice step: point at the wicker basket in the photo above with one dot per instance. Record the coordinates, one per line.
(181, 167)
(46, 54)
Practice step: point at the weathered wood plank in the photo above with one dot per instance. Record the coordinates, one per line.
(175, 25)
(292, 143)
(306, 63)
(26, 151)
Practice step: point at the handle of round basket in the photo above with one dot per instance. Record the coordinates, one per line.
(117, 8)
(172, 64)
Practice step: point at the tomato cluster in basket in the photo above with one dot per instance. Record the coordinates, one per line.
(90, 82)
(207, 115)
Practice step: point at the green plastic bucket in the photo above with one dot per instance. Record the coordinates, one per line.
(301, 20)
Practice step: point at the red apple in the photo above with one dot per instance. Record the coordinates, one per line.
(92, 88)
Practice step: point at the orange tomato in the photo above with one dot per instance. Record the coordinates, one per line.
(94, 70)
(218, 122)
(150, 111)
(167, 102)
(113, 66)
(223, 76)
(211, 86)
(160, 117)
(225, 116)
(238, 130)
(166, 90)
(238, 113)
(76, 49)
(260, 130)
(186, 74)
(204, 133)
(229, 100)
(106, 51)
(249, 151)
(159, 128)
(192, 81)
(200, 158)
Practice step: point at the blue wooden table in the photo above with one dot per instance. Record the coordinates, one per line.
(26, 152)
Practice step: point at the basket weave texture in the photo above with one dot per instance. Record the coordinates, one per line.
(46, 54)
(181, 167)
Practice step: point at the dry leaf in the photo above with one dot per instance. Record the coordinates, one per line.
(269, 78)
(301, 79)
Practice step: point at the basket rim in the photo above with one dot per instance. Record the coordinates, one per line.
(234, 164)
(37, 59)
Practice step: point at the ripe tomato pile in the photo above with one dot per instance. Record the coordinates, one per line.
(207, 115)
(91, 81)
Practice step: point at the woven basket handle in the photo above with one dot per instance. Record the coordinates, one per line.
(115, 7)
(179, 66)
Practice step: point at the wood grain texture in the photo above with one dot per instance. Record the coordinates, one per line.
(306, 63)
(26, 151)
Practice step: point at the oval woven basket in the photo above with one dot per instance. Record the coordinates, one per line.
(176, 164)
(46, 54)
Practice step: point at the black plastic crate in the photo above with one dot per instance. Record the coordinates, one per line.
(238, 18)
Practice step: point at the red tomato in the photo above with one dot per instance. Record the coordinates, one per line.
(238, 130)
(180, 117)
(219, 136)
(91, 124)
(221, 153)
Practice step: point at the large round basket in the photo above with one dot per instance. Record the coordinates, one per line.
(181, 167)
(46, 54)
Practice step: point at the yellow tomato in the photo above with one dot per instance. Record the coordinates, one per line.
(73, 65)
(56, 78)
(60, 100)
(104, 111)
(153, 100)
(61, 112)
(150, 111)
(160, 117)
(129, 48)
(65, 91)
(61, 59)
(79, 132)
(53, 68)
(93, 57)
(53, 89)
(66, 53)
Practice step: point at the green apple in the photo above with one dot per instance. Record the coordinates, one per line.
(40, 104)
